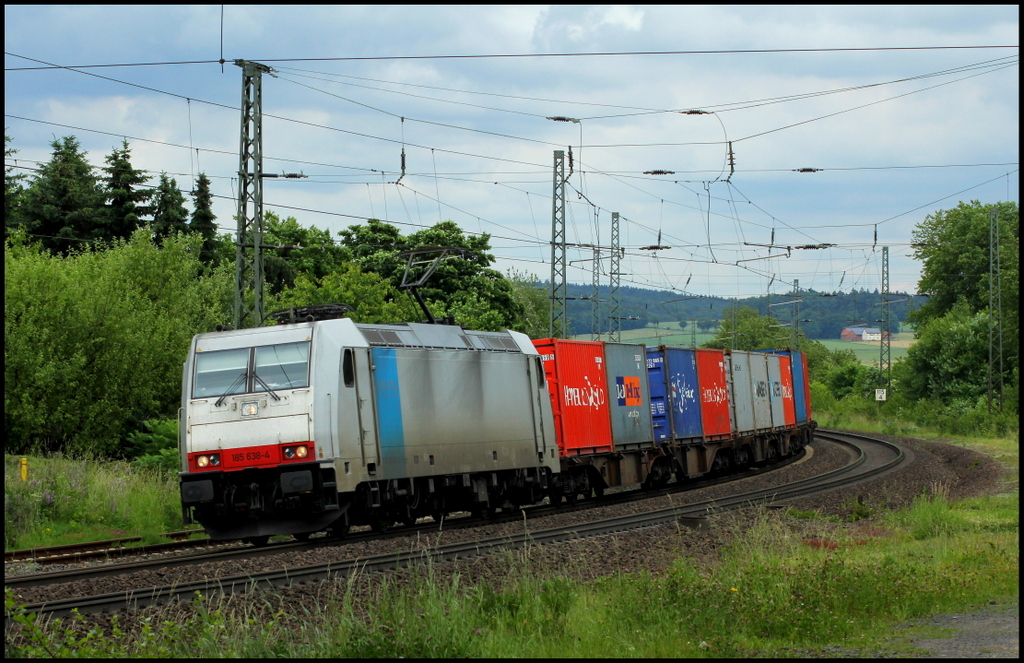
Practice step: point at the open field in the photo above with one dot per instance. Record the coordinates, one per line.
(867, 351)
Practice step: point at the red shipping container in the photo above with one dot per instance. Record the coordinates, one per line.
(713, 385)
(575, 374)
(788, 404)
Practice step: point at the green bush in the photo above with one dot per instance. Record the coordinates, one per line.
(94, 341)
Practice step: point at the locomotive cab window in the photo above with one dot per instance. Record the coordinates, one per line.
(247, 370)
(221, 372)
(284, 366)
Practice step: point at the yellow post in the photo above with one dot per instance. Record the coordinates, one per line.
(24, 469)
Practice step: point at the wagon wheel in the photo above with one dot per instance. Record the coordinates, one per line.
(257, 541)
(301, 536)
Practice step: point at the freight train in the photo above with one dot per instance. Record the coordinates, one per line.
(326, 423)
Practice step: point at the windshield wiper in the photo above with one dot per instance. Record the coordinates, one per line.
(266, 386)
(238, 380)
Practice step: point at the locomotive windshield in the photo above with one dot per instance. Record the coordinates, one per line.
(246, 370)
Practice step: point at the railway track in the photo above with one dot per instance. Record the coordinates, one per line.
(871, 457)
(77, 552)
(234, 551)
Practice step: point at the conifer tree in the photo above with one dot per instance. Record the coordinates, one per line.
(63, 207)
(126, 205)
(203, 220)
(169, 213)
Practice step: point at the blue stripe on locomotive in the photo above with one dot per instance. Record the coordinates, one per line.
(390, 427)
(675, 407)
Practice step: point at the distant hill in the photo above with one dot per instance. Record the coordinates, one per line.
(828, 313)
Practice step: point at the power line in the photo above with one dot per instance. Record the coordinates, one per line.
(542, 55)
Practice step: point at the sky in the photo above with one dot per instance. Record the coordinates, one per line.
(902, 111)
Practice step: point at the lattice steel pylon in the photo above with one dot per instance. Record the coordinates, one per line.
(614, 324)
(884, 348)
(249, 238)
(558, 326)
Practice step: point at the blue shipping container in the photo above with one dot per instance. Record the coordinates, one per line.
(675, 408)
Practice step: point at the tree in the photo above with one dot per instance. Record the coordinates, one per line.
(126, 206)
(953, 325)
(316, 255)
(13, 189)
(950, 359)
(533, 297)
(64, 204)
(953, 246)
(203, 222)
(752, 331)
(169, 214)
(374, 298)
(462, 286)
(94, 341)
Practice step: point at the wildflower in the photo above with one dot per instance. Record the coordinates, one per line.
(733, 589)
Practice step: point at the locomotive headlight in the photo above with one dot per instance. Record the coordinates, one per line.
(250, 409)
(211, 460)
(302, 452)
(289, 452)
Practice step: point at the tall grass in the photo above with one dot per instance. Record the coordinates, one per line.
(67, 500)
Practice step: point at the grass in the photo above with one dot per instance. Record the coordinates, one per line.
(72, 500)
(770, 595)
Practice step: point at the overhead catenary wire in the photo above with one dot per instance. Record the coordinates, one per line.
(733, 213)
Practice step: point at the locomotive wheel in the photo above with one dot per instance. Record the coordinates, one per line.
(555, 497)
(257, 541)
(303, 536)
(598, 492)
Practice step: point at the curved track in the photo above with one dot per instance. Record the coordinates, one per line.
(870, 458)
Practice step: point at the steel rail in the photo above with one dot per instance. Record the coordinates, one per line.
(690, 515)
(245, 552)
